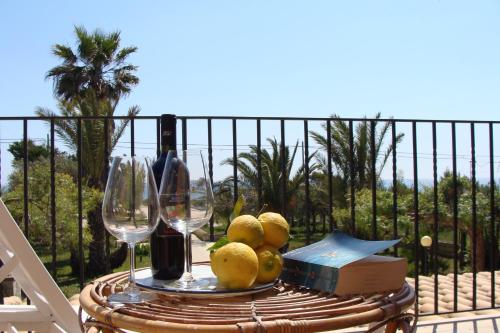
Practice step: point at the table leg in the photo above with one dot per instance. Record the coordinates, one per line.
(391, 325)
(400, 323)
(92, 326)
(376, 327)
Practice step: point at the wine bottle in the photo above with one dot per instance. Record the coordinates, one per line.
(167, 244)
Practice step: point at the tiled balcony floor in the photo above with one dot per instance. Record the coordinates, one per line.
(465, 295)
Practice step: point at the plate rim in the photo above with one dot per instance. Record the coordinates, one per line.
(202, 293)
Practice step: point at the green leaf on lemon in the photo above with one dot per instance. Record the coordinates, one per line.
(220, 243)
(238, 206)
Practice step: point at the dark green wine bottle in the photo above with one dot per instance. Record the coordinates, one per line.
(167, 244)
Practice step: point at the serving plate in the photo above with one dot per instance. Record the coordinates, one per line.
(209, 288)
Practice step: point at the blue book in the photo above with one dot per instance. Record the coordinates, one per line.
(344, 265)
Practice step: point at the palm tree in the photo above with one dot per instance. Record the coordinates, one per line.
(97, 64)
(272, 175)
(362, 149)
(93, 161)
(90, 82)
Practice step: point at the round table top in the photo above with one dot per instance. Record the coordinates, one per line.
(284, 308)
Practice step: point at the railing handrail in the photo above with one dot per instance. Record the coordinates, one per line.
(277, 118)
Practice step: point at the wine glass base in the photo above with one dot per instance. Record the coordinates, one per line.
(131, 298)
(193, 284)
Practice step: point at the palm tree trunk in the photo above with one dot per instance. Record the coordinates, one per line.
(489, 262)
(118, 257)
(313, 222)
(480, 248)
(98, 261)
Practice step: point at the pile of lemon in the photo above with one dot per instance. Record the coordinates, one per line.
(252, 252)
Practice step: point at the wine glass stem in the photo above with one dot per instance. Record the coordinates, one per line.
(132, 287)
(187, 254)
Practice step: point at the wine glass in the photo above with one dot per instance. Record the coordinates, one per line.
(186, 202)
(130, 211)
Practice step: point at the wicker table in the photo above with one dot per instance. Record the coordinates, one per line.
(284, 308)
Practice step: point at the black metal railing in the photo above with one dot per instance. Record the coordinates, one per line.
(411, 127)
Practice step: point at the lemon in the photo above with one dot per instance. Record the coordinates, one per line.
(276, 229)
(235, 265)
(246, 229)
(270, 263)
(212, 267)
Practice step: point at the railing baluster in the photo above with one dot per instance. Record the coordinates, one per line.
(351, 177)
(435, 214)
(132, 137)
(158, 136)
(415, 211)
(259, 167)
(332, 223)
(474, 215)
(210, 173)
(493, 240)
(373, 179)
(25, 179)
(306, 178)
(107, 143)
(81, 255)
(394, 187)
(455, 216)
(25, 187)
(1, 299)
(53, 199)
(235, 164)
(184, 135)
(284, 175)
(132, 153)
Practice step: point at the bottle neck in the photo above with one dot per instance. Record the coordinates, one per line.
(165, 149)
(168, 133)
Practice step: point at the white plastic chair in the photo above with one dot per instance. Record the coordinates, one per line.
(49, 311)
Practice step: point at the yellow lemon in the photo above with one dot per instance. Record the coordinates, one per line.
(276, 229)
(235, 265)
(246, 229)
(270, 263)
(212, 267)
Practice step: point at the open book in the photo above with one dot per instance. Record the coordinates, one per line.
(344, 265)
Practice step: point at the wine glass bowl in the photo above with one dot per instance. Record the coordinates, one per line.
(130, 212)
(186, 201)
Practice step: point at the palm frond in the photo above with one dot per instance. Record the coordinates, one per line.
(97, 64)
(65, 53)
(65, 129)
(118, 132)
(86, 45)
(124, 53)
(398, 139)
(380, 136)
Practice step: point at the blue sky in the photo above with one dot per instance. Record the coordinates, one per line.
(406, 59)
